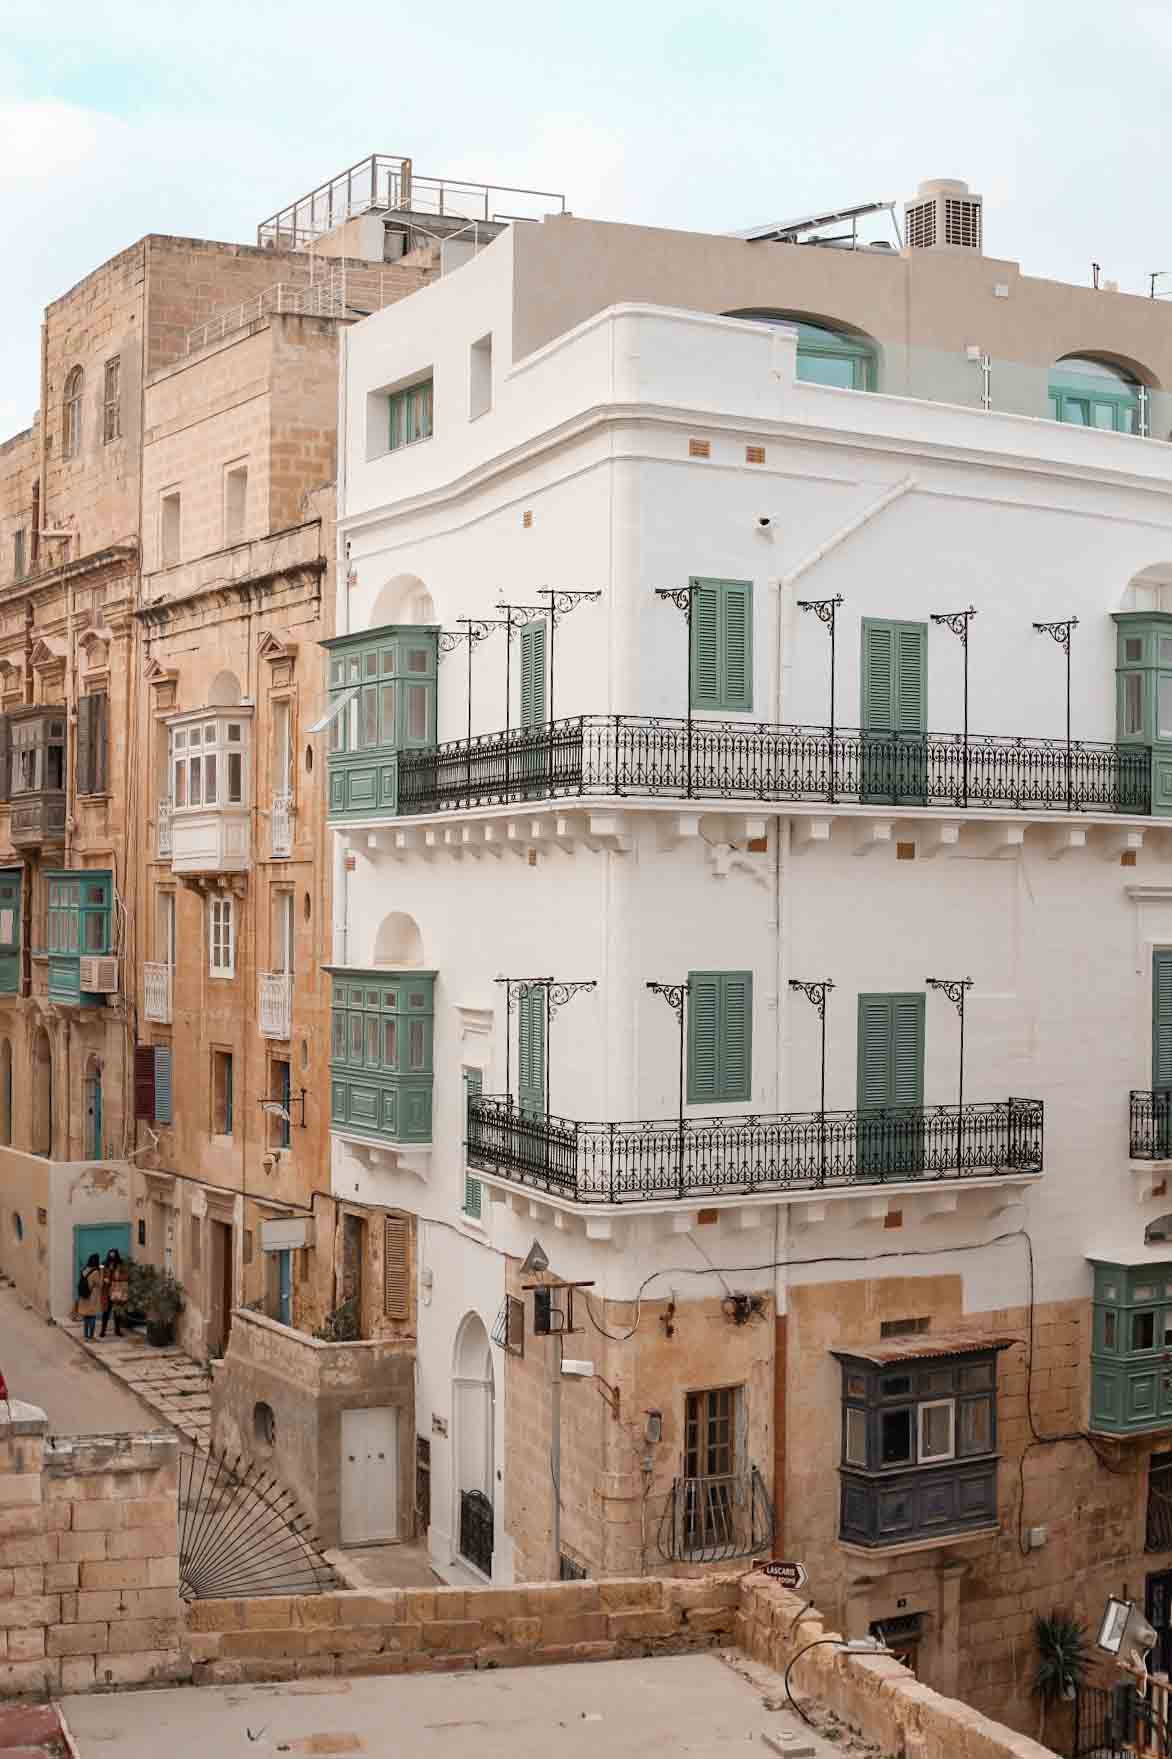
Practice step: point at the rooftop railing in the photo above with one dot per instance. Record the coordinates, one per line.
(619, 755)
(750, 1155)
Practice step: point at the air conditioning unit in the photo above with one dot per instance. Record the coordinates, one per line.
(99, 977)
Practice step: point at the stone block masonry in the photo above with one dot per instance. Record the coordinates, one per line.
(89, 1565)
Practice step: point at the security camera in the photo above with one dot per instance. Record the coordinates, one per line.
(764, 521)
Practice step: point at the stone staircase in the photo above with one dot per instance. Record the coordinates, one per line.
(176, 1388)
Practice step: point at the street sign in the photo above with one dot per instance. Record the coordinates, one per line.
(789, 1575)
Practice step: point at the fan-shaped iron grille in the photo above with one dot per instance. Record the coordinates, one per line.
(242, 1533)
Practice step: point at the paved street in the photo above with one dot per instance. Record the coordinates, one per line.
(42, 1363)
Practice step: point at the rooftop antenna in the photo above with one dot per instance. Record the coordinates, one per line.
(1095, 269)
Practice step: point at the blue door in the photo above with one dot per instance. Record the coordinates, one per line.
(99, 1238)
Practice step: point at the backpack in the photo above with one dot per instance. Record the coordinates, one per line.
(83, 1285)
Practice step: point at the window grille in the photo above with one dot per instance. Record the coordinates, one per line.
(509, 1330)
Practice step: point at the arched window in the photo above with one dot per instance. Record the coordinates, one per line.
(1096, 394)
(827, 354)
(71, 414)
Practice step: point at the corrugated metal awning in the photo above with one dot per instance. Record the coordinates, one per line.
(922, 1346)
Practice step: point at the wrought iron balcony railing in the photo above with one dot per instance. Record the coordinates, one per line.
(640, 754)
(708, 1520)
(1151, 1123)
(163, 828)
(281, 825)
(156, 985)
(744, 1156)
(275, 1004)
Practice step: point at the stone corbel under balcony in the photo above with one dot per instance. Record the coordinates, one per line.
(644, 1224)
(391, 1157)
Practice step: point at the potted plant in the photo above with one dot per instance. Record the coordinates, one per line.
(160, 1296)
(1060, 1641)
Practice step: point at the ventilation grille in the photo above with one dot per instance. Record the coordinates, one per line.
(921, 225)
(962, 222)
(396, 1267)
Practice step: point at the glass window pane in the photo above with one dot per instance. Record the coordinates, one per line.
(209, 734)
(370, 665)
(235, 777)
(417, 711)
(1104, 414)
(1143, 1331)
(1166, 650)
(356, 1038)
(827, 369)
(415, 1044)
(1128, 418)
(387, 661)
(179, 738)
(1133, 703)
(371, 1042)
(1110, 1330)
(895, 1437)
(1074, 410)
(209, 778)
(1164, 705)
(234, 732)
(976, 1426)
(339, 1035)
(391, 1044)
(95, 932)
(895, 1386)
(935, 1383)
(196, 781)
(389, 730)
(936, 1422)
(1133, 650)
(417, 659)
(976, 1377)
(856, 1437)
(181, 783)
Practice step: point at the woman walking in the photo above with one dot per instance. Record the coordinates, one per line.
(115, 1290)
(89, 1295)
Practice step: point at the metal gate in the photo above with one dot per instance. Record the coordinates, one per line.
(476, 1524)
(1103, 1720)
(242, 1533)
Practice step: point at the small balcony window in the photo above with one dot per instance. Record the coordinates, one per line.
(207, 763)
(1131, 1337)
(78, 927)
(382, 701)
(381, 1053)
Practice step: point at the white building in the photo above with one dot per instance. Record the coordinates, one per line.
(580, 433)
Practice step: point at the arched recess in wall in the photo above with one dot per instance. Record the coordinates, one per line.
(829, 351)
(1104, 391)
(472, 1450)
(41, 1134)
(398, 940)
(6, 1092)
(224, 691)
(404, 599)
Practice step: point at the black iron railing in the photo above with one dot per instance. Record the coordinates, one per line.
(742, 760)
(476, 1530)
(709, 1520)
(1151, 1123)
(1104, 1722)
(739, 1156)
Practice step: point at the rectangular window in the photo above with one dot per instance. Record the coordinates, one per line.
(895, 1437)
(480, 377)
(235, 502)
(281, 933)
(473, 1085)
(92, 742)
(282, 748)
(221, 1093)
(721, 636)
(1133, 704)
(1143, 1331)
(112, 400)
(221, 937)
(890, 1051)
(78, 913)
(165, 928)
(410, 413)
(280, 1093)
(937, 1439)
(18, 555)
(720, 1036)
(711, 1422)
(169, 528)
(1164, 707)
(976, 1426)
(855, 1439)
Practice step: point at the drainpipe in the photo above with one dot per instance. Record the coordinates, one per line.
(555, 1456)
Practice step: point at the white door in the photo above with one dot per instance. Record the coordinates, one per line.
(370, 1475)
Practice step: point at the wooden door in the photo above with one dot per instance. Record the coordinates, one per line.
(370, 1475)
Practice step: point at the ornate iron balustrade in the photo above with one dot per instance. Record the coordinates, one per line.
(743, 1156)
(156, 990)
(476, 1530)
(744, 760)
(1151, 1123)
(163, 828)
(708, 1520)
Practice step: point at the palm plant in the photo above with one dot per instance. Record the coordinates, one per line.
(1061, 1643)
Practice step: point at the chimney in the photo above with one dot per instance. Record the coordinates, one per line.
(945, 215)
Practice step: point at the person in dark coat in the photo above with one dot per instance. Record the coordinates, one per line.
(89, 1295)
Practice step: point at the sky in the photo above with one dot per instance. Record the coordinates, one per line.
(130, 116)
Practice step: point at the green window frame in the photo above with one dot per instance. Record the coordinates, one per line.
(1162, 1018)
(383, 690)
(893, 713)
(1094, 394)
(826, 355)
(473, 1191)
(10, 925)
(78, 913)
(720, 1037)
(721, 641)
(534, 640)
(410, 414)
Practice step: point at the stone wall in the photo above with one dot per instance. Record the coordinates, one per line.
(308, 1384)
(874, 1694)
(89, 1566)
(42, 1202)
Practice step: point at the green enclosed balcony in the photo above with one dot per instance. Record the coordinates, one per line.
(381, 1025)
(1131, 1346)
(11, 884)
(382, 701)
(82, 971)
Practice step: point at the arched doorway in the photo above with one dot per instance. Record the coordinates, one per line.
(41, 1141)
(6, 1092)
(472, 1450)
(93, 1109)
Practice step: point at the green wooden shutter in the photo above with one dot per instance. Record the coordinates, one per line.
(878, 669)
(907, 1050)
(531, 1051)
(162, 1084)
(911, 678)
(890, 1050)
(705, 638)
(83, 755)
(1162, 1018)
(736, 1035)
(737, 646)
(533, 640)
(703, 1004)
(473, 1084)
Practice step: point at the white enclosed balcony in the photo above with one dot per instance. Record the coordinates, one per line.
(275, 1004)
(156, 985)
(210, 816)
